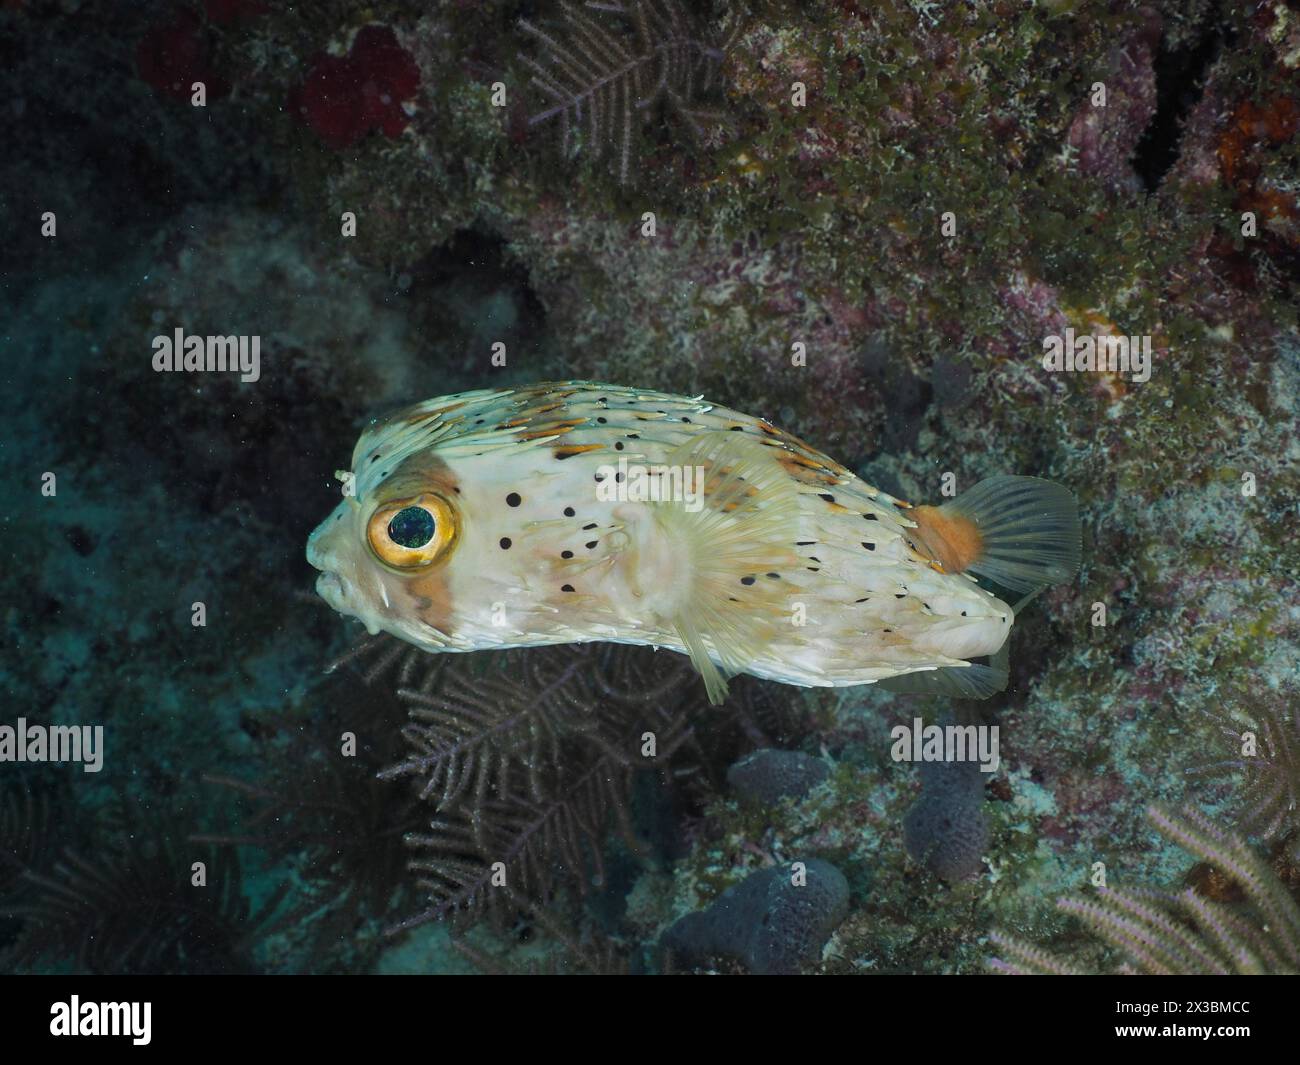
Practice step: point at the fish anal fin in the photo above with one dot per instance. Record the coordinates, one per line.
(975, 680)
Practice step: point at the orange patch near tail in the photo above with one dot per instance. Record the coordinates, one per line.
(952, 540)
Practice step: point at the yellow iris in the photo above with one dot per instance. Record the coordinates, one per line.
(412, 533)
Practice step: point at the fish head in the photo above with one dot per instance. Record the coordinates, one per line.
(385, 551)
(453, 531)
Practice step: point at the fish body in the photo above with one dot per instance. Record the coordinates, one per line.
(575, 511)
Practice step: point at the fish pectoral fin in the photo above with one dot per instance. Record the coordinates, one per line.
(734, 538)
(698, 647)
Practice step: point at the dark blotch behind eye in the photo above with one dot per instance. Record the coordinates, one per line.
(411, 527)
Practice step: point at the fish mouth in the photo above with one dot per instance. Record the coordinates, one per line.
(339, 594)
(329, 586)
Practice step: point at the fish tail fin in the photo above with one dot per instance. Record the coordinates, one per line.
(1022, 533)
(730, 543)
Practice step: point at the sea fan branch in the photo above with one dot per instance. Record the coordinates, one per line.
(598, 79)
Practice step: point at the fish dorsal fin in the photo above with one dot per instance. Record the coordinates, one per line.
(1020, 532)
(739, 530)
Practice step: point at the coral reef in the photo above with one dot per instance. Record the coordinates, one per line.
(1185, 933)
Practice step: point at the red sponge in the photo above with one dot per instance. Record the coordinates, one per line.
(345, 97)
(175, 54)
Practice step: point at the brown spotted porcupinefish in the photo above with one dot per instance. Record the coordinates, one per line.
(568, 512)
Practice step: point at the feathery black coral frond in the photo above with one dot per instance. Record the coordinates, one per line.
(603, 82)
(1263, 763)
(490, 726)
(521, 845)
(527, 761)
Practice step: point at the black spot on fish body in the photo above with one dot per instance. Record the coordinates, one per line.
(566, 554)
(513, 500)
(747, 580)
(505, 543)
(569, 512)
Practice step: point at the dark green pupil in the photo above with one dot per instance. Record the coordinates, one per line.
(411, 527)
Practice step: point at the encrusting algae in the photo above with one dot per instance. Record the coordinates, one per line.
(567, 512)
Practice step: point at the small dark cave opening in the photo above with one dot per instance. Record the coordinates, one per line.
(455, 293)
(1180, 82)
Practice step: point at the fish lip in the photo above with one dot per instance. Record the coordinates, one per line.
(329, 586)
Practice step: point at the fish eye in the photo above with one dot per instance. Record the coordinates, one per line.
(412, 533)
